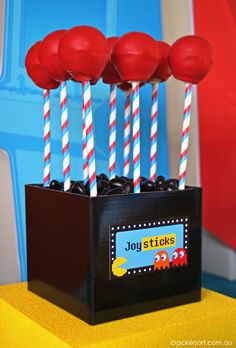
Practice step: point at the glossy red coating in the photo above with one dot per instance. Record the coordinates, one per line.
(191, 58)
(135, 56)
(84, 52)
(163, 71)
(48, 56)
(35, 70)
(110, 75)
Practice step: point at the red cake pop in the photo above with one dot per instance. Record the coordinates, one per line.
(36, 71)
(135, 56)
(110, 74)
(191, 58)
(163, 71)
(84, 52)
(48, 56)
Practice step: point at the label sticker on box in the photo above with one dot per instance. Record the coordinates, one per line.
(148, 247)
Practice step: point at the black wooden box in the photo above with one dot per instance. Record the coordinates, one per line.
(111, 257)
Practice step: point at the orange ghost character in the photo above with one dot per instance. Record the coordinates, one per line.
(161, 260)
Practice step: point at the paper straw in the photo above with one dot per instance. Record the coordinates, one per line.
(153, 133)
(65, 136)
(112, 132)
(185, 136)
(90, 139)
(85, 153)
(136, 136)
(47, 138)
(127, 111)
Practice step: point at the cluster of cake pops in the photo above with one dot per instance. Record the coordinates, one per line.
(83, 54)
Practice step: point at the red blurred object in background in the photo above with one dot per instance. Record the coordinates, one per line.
(48, 56)
(217, 121)
(35, 70)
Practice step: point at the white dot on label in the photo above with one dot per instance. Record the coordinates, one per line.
(139, 270)
(168, 221)
(181, 220)
(140, 225)
(134, 271)
(150, 269)
(129, 226)
(112, 234)
(113, 259)
(112, 228)
(186, 230)
(163, 222)
(172, 221)
(112, 252)
(134, 226)
(144, 269)
(159, 223)
(149, 224)
(112, 246)
(128, 272)
(186, 219)
(186, 225)
(112, 240)
(144, 224)
(154, 223)
(186, 247)
(177, 220)
(186, 242)
(118, 228)
(186, 236)
(123, 227)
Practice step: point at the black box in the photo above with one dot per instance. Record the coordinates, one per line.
(110, 257)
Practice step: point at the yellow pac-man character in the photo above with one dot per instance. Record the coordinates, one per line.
(116, 269)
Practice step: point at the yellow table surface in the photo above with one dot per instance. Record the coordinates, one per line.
(27, 320)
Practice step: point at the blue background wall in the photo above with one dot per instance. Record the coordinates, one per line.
(21, 126)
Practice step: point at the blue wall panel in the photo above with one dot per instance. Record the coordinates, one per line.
(21, 125)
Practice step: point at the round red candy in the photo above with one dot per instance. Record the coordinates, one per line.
(36, 71)
(110, 75)
(190, 58)
(135, 56)
(84, 52)
(48, 56)
(163, 71)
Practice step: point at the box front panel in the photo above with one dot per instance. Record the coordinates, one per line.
(147, 250)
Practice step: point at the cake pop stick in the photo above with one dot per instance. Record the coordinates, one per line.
(127, 132)
(111, 77)
(43, 80)
(83, 51)
(112, 132)
(85, 152)
(162, 73)
(65, 135)
(153, 132)
(185, 136)
(190, 59)
(90, 138)
(136, 136)
(47, 138)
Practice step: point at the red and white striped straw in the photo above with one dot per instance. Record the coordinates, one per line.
(85, 153)
(90, 139)
(47, 138)
(136, 136)
(65, 135)
(127, 131)
(185, 136)
(153, 133)
(112, 132)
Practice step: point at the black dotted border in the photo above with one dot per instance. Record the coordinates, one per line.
(126, 227)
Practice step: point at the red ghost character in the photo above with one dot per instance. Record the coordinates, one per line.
(161, 260)
(179, 257)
